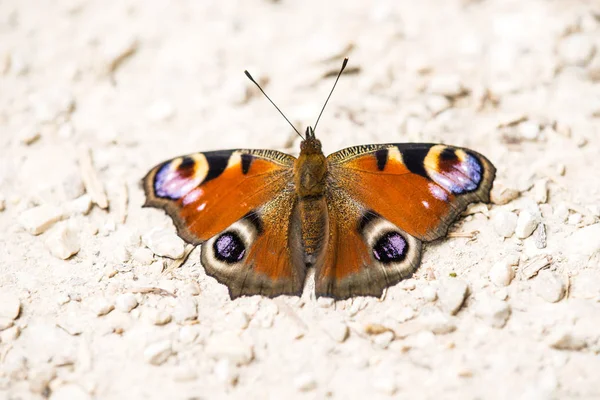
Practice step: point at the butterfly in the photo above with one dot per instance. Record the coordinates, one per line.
(358, 216)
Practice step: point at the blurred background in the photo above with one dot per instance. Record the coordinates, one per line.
(134, 82)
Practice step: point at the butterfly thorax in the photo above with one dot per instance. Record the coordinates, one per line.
(310, 168)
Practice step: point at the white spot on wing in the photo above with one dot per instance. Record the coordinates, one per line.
(426, 204)
(438, 192)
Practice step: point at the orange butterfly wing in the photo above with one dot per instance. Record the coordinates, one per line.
(383, 200)
(419, 187)
(238, 205)
(204, 193)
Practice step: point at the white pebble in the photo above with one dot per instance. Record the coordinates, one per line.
(143, 256)
(493, 311)
(436, 104)
(126, 302)
(160, 110)
(384, 339)
(385, 385)
(529, 130)
(229, 346)
(80, 206)
(157, 353)
(540, 191)
(429, 293)
(238, 320)
(160, 317)
(226, 373)
(561, 212)
(574, 219)
(187, 334)
(38, 219)
(505, 223)
(576, 50)
(10, 305)
(452, 295)
(164, 243)
(305, 382)
(437, 322)
(502, 195)
(446, 85)
(325, 302)
(121, 254)
(549, 286)
(185, 310)
(585, 241)
(336, 329)
(102, 306)
(501, 273)
(69, 391)
(5, 323)
(63, 242)
(527, 223)
(10, 334)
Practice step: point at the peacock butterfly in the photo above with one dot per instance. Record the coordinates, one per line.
(358, 216)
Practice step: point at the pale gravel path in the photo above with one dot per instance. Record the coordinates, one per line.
(90, 327)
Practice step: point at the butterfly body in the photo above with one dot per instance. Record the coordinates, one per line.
(357, 216)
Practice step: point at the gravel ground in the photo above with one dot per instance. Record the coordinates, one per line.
(97, 298)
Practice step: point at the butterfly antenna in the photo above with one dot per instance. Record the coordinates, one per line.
(330, 93)
(268, 98)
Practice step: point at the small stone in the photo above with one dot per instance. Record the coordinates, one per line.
(164, 243)
(63, 299)
(527, 223)
(187, 334)
(38, 219)
(121, 254)
(561, 212)
(226, 373)
(540, 191)
(502, 273)
(39, 379)
(29, 135)
(229, 346)
(10, 334)
(185, 310)
(5, 323)
(577, 50)
(69, 391)
(452, 295)
(437, 322)
(502, 195)
(160, 110)
(564, 340)
(539, 236)
(446, 85)
(116, 51)
(305, 382)
(384, 339)
(143, 256)
(529, 130)
(157, 353)
(336, 329)
(102, 307)
(385, 385)
(10, 305)
(63, 242)
(238, 320)
(160, 317)
(429, 293)
(80, 206)
(574, 219)
(436, 104)
(184, 374)
(493, 311)
(126, 302)
(549, 286)
(585, 241)
(325, 302)
(505, 223)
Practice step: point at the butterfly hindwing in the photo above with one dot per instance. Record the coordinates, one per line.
(419, 187)
(365, 252)
(204, 193)
(255, 255)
